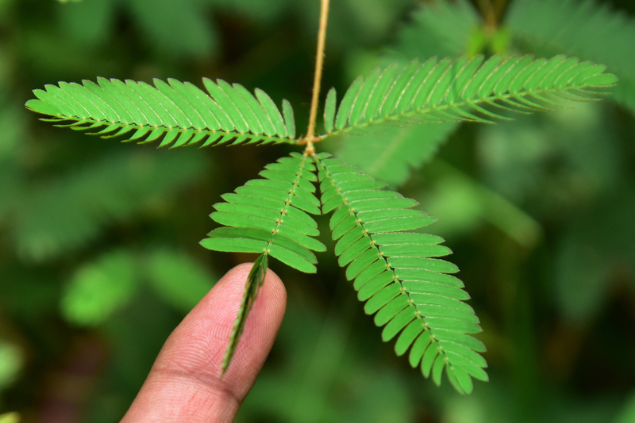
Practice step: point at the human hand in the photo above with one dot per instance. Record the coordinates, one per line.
(185, 384)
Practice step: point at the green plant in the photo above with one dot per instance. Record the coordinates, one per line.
(395, 269)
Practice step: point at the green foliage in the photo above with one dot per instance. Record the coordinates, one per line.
(9, 418)
(394, 271)
(584, 29)
(588, 256)
(465, 203)
(173, 30)
(176, 278)
(65, 214)
(628, 413)
(179, 29)
(104, 286)
(99, 288)
(269, 215)
(179, 113)
(453, 90)
(11, 362)
(394, 152)
(443, 29)
(494, 185)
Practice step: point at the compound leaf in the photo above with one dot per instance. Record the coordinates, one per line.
(395, 270)
(270, 215)
(466, 89)
(177, 113)
(584, 29)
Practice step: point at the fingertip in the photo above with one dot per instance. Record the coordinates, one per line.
(272, 289)
(186, 376)
(214, 317)
(262, 324)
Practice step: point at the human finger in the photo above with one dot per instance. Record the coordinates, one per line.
(185, 383)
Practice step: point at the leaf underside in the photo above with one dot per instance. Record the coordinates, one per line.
(395, 270)
(255, 279)
(465, 89)
(176, 113)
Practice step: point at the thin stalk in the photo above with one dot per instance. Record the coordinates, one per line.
(488, 12)
(319, 63)
(499, 8)
(492, 12)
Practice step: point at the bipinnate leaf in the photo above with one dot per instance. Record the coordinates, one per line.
(396, 271)
(465, 89)
(270, 216)
(176, 113)
(254, 281)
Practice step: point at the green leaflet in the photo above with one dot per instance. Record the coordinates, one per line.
(464, 90)
(270, 215)
(177, 113)
(394, 271)
(329, 110)
(254, 281)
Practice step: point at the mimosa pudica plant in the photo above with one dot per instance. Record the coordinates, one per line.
(396, 269)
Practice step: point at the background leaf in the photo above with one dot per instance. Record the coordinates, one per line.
(179, 280)
(11, 361)
(591, 257)
(65, 214)
(440, 29)
(100, 288)
(393, 153)
(592, 32)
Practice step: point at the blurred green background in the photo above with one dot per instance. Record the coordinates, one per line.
(99, 254)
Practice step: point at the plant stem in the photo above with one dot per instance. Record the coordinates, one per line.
(488, 13)
(492, 11)
(319, 62)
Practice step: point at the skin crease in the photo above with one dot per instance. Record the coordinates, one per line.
(184, 384)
